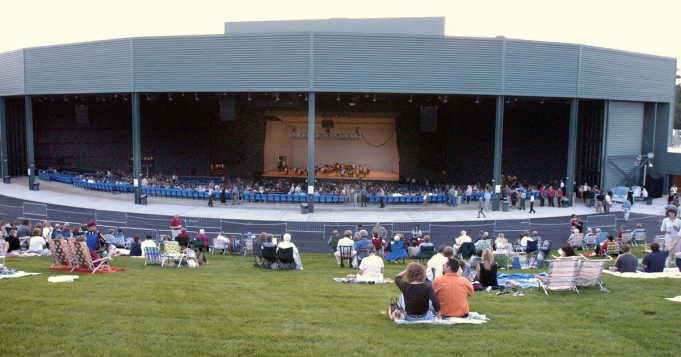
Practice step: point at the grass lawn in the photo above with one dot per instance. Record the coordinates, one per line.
(228, 307)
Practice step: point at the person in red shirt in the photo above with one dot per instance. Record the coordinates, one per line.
(453, 291)
(175, 225)
(559, 197)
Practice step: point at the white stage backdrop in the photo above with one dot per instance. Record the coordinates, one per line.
(382, 158)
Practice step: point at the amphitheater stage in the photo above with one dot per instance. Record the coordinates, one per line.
(373, 176)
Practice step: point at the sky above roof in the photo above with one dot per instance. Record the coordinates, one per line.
(641, 26)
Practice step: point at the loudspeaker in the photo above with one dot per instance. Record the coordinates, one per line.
(227, 111)
(655, 185)
(429, 119)
(82, 117)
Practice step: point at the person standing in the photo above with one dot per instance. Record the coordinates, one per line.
(607, 202)
(452, 196)
(488, 198)
(670, 228)
(481, 204)
(626, 207)
(364, 197)
(210, 197)
(425, 198)
(381, 197)
(175, 225)
(542, 194)
(523, 197)
(469, 193)
(532, 204)
(235, 195)
(550, 195)
(223, 196)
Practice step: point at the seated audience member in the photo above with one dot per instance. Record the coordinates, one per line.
(500, 242)
(639, 229)
(463, 238)
(220, 240)
(622, 230)
(568, 252)
(413, 250)
(37, 243)
(288, 244)
(371, 267)
(269, 240)
(136, 248)
(482, 244)
(434, 267)
(397, 249)
(24, 229)
(464, 270)
(66, 231)
(377, 242)
(572, 236)
(183, 238)
(426, 243)
(627, 262)
(524, 238)
(202, 237)
(13, 242)
(418, 299)
(608, 243)
(452, 291)
(93, 254)
(148, 242)
(333, 240)
(654, 262)
(363, 244)
(346, 241)
(110, 237)
(487, 270)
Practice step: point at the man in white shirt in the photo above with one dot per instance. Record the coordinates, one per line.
(148, 242)
(435, 264)
(37, 244)
(47, 230)
(463, 238)
(345, 242)
(371, 268)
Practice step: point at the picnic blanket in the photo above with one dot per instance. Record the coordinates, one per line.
(62, 278)
(668, 273)
(85, 271)
(18, 274)
(473, 318)
(675, 299)
(526, 281)
(353, 281)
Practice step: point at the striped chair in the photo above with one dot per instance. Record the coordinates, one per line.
(589, 274)
(60, 253)
(152, 256)
(172, 253)
(562, 274)
(83, 260)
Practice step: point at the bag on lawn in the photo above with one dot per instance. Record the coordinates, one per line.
(395, 312)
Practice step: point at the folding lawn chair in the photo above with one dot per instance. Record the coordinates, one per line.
(590, 241)
(562, 274)
(172, 253)
(269, 254)
(60, 253)
(83, 260)
(3, 254)
(219, 244)
(626, 238)
(345, 254)
(639, 238)
(501, 258)
(152, 256)
(248, 246)
(577, 241)
(426, 252)
(543, 253)
(285, 259)
(589, 273)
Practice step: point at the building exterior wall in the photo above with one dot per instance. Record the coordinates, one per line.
(623, 141)
(12, 73)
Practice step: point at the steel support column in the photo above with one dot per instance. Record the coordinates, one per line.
(310, 151)
(136, 147)
(572, 151)
(30, 159)
(498, 141)
(3, 140)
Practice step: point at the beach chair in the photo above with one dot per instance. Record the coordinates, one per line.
(639, 238)
(60, 253)
(397, 252)
(3, 254)
(257, 248)
(83, 260)
(172, 253)
(589, 273)
(248, 246)
(501, 258)
(426, 252)
(269, 254)
(613, 249)
(590, 241)
(152, 256)
(577, 241)
(345, 253)
(626, 238)
(562, 275)
(219, 244)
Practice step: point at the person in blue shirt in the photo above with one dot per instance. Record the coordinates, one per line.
(626, 207)
(654, 261)
(136, 248)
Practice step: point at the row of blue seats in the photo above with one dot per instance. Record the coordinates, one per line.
(179, 193)
(106, 187)
(287, 198)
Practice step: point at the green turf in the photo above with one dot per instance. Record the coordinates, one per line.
(228, 307)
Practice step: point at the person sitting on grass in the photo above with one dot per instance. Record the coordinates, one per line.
(37, 243)
(413, 250)
(464, 270)
(452, 291)
(654, 261)
(609, 243)
(487, 271)
(13, 242)
(371, 267)
(627, 262)
(136, 248)
(346, 241)
(418, 300)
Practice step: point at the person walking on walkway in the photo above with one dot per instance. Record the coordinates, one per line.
(481, 205)
(532, 204)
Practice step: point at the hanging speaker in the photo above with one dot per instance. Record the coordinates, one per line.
(429, 119)
(655, 185)
(227, 111)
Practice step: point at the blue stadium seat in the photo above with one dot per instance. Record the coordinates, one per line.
(316, 199)
(336, 199)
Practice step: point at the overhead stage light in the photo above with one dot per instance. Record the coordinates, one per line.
(542, 101)
(170, 97)
(196, 97)
(338, 98)
(125, 97)
(508, 100)
(277, 99)
(374, 97)
(477, 100)
(306, 99)
(411, 99)
(249, 97)
(446, 100)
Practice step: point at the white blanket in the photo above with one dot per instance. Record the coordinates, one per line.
(19, 274)
(668, 273)
(62, 278)
(473, 318)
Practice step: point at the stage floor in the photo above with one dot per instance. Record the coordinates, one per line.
(373, 176)
(66, 195)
